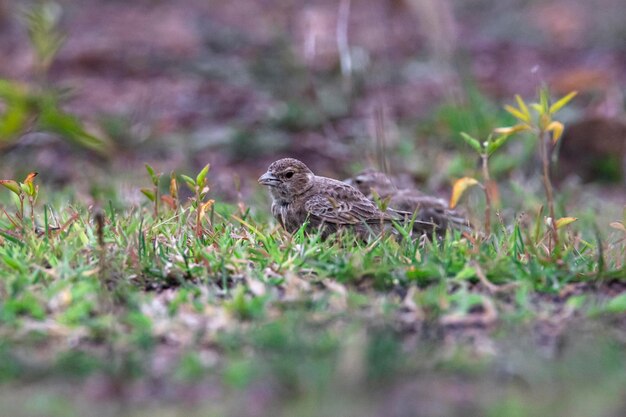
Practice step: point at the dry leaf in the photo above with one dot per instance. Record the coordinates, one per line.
(459, 188)
(619, 226)
(30, 177)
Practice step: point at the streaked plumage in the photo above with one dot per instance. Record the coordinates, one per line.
(298, 195)
(429, 210)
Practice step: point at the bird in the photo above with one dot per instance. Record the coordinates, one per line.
(426, 209)
(326, 204)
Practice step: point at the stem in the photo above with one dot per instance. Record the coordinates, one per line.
(544, 138)
(31, 203)
(198, 218)
(485, 187)
(22, 209)
(99, 217)
(22, 213)
(156, 202)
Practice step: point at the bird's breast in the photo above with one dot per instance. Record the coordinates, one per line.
(280, 211)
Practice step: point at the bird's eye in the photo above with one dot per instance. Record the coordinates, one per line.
(289, 174)
(358, 181)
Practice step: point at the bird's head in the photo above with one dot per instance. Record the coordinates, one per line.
(371, 182)
(287, 178)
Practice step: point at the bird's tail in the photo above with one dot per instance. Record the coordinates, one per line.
(458, 221)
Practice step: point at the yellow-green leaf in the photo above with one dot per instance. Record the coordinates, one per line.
(473, 142)
(564, 221)
(562, 102)
(544, 99)
(516, 113)
(11, 185)
(459, 188)
(191, 183)
(32, 189)
(153, 175)
(149, 193)
(202, 175)
(28, 185)
(25, 188)
(522, 106)
(497, 143)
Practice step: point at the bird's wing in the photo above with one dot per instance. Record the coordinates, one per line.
(339, 203)
(409, 200)
(429, 208)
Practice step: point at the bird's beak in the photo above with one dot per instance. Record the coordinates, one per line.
(269, 179)
(354, 181)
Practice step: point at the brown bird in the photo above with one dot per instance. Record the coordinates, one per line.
(298, 196)
(428, 210)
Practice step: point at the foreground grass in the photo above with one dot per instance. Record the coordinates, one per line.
(129, 299)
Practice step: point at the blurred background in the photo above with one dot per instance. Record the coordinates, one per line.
(92, 89)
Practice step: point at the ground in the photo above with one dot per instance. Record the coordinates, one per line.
(108, 308)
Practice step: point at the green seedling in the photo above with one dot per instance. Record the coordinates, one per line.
(199, 186)
(152, 194)
(484, 149)
(26, 190)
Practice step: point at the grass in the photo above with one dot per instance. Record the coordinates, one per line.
(106, 291)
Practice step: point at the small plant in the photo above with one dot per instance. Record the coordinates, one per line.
(485, 149)
(153, 193)
(199, 186)
(172, 199)
(26, 190)
(548, 131)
